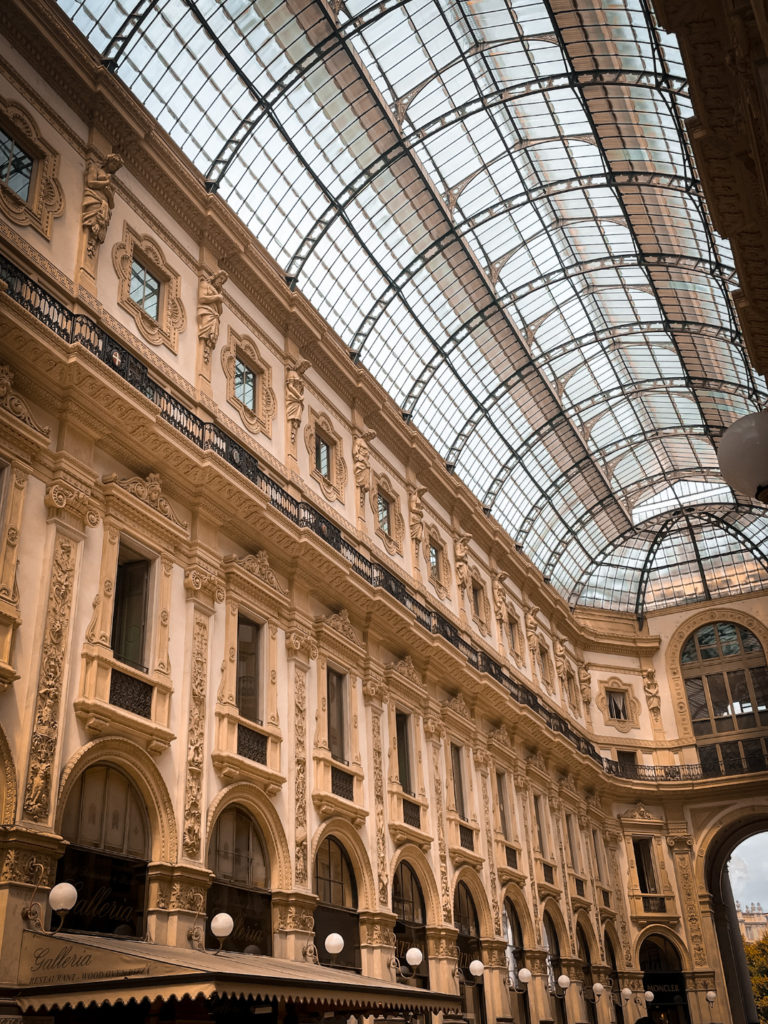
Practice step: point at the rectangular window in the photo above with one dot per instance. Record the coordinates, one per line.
(402, 722)
(627, 760)
(617, 705)
(336, 716)
(383, 509)
(540, 834)
(501, 796)
(546, 668)
(129, 620)
(477, 600)
(514, 633)
(322, 456)
(573, 842)
(434, 561)
(597, 847)
(458, 782)
(245, 384)
(248, 674)
(16, 166)
(145, 289)
(646, 874)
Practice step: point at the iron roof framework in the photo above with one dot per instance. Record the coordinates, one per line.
(496, 207)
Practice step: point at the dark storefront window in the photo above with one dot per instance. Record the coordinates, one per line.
(410, 927)
(513, 933)
(105, 822)
(238, 859)
(554, 970)
(336, 910)
(468, 949)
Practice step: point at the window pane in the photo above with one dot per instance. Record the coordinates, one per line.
(129, 617)
(145, 289)
(458, 781)
(322, 457)
(760, 686)
(336, 738)
(383, 508)
(697, 702)
(749, 641)
(718, 694)
(689, 651)
(245, 384)
(403, 752)
(15, 166)
(248, 675)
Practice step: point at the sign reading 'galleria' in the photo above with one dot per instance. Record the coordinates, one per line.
(54, 960)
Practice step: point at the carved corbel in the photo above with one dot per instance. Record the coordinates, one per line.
(203, 586)
(71, 505)
(14, 404)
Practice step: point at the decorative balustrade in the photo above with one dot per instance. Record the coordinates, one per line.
(79, 329)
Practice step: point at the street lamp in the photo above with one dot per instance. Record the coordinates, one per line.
(524, 977)
(563, 983)
(61, 899)
(222, 926)
(413, 957)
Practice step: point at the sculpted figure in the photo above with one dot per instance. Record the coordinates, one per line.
(585, 684)
(559, 658)
(294, 400)
(499, 596)
(210, 304)
(651, 688)
(461, 551)
(99, 200)
(361, 460)
(416, 514)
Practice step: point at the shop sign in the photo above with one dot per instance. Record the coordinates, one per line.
(57, 960)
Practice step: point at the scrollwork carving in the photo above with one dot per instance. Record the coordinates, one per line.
(15, 404)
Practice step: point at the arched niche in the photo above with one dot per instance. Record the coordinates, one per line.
(425, 875)
(593, 946)
(717, 613)
(137, 764)
(662, 931)
(260, 807)
(552, 907)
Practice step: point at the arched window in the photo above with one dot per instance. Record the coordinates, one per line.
(469, 949)
(726, 683)
(513, 934)
(410, 930)
(105, 822)
(238, 858)
(582, 951)
(336, 910)
(554, 969)
(663, 975)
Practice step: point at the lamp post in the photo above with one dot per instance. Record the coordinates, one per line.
(413, 957)
(524, 977)
(61, 899)
(221, 926)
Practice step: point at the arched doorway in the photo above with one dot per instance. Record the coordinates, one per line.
(513, 933)
(106, 824)
(336, 910)
(663, 975)
(739, 995)
(410, 926)
(238, 858)
(468, 946)
(554, 970)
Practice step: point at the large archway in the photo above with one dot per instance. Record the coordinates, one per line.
(718, 852)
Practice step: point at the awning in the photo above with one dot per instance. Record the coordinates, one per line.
(58, 971)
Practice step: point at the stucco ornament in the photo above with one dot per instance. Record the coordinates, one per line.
(294, 396)
(652, 696)
(416, 514)
(99, 200)
(15, 404)
(461, 554)
(361, 463)
(499, 596)
(210, 305)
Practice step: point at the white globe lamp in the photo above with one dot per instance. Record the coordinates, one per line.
(743, 455)
(649, 996)
(334, 943)
(62, 897)
(626, 994)
(564, 982)
(222, 925)
(413, 956)
(711, 996)
(597, 989)
(524, 976)
(476, 968)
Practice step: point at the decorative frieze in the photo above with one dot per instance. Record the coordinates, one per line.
(42, 755)
(191, 841)
(150, 491)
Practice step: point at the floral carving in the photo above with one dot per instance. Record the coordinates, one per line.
(340, 622)
(378, 795)
(171, 318)
(150, 491)
(15, 404)
(300, 728)
(37, 796)
(196, 734)
(258, 565)
(257, 415)
(46, 196)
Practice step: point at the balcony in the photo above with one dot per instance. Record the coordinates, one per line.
(463, 842)
(247, 751)
(713, 768)
(338, 789)
(407, 818)
(508, 861)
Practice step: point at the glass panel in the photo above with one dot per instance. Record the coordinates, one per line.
(15, 166)
(741, 700)
(252, 914)
(718, 695)
(697, 701)
(749, 641)
(403, 751)
(759, 677)
(111, 892)
(248, 669)
(458, 780)
(689, 652)
(245, 384)
(336, 715)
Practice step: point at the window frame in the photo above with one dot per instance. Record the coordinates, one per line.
(339, 681)
(260, 653)
(45, 199)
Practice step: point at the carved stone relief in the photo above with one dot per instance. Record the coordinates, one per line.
(99, 201)
(378, 795)
(196, 737)
(37, 796)
(150, 491)
(15, 404)
(300, 727)
(210, 306)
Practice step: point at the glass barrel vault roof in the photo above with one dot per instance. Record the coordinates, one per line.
(495, 206)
